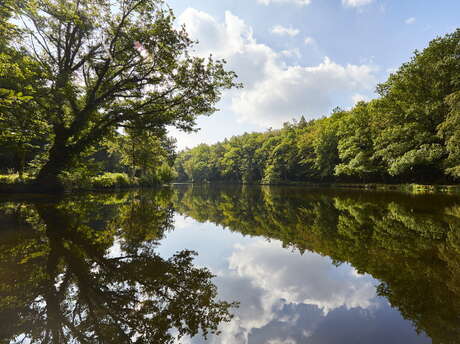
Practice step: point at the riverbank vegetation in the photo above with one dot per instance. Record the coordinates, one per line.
(409, 134)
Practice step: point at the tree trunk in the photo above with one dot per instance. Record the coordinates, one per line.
(48, 178)
(22, 162)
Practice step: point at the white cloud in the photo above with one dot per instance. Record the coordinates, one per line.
(274, 92)
(221, 39)
(309, 40)
(356, 3)
(284, 31)
(295, 2)
(287, 92)
(358, 98)
(410, 20)
(292, 53)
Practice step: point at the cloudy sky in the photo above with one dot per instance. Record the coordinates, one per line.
(304, 57)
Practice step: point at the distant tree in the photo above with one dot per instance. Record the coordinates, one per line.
(355, 145)
(325, 145)
(144, 153)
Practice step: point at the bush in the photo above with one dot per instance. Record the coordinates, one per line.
(11, 179)
(112, 180)
(166, 174)
(163, 174)
(78, 178)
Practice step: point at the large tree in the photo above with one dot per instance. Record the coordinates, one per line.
(413, 106)
(108, 64)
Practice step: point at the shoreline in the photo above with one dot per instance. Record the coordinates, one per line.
(409, 188)
(413, 188)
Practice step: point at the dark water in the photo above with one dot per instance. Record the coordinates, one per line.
(230, 265)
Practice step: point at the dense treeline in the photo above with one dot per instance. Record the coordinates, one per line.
(410, 133)
(410, 243)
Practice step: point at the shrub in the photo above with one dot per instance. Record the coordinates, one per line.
(10, 179)
(112, 180)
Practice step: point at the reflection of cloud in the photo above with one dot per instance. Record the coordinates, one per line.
(288, 298)
(309, 279)
(284, 295)
(182, 222)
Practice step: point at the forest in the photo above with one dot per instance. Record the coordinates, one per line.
(83, 104)
(409, 134)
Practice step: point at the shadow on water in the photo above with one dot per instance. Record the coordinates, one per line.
(85, 269)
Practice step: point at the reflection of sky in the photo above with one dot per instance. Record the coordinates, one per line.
(286, 297)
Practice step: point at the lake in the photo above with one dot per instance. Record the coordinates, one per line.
(230, 264)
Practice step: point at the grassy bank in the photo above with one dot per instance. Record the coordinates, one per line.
(11, 183)
(412, 188)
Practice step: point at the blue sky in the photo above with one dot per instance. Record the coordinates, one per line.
(304, 57)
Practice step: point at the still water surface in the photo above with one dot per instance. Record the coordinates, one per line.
(233, 264)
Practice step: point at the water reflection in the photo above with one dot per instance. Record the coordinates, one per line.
(307, 266)
(64, 280)
(411, 244)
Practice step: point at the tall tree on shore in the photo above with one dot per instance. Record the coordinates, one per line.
(413, 105)
(109, 63)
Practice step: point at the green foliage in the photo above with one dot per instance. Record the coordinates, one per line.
(111, 181)
(355, 145)
(11, 179)
(87, 68)
(145, 155)
(23, 128)
(409, 134)
(325, 148)
(450, 131)
(413, 105)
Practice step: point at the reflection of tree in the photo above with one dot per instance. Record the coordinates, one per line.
(61, 283)
(412, 244)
